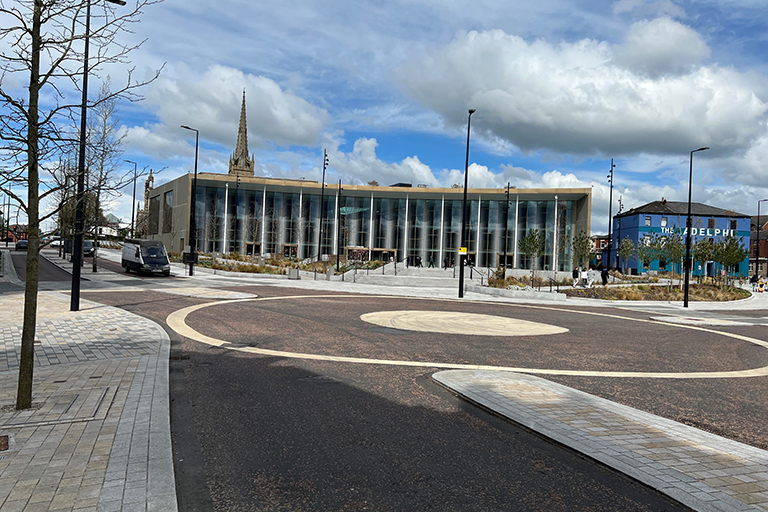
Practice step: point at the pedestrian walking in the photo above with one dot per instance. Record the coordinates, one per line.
(431, 262)
(591, 275)
(604, 276)
(754, 280)
(575, 275)
(446, 263)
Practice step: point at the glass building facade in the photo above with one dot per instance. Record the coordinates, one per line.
(285, 218)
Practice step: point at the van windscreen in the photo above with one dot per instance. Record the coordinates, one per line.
(154, 255)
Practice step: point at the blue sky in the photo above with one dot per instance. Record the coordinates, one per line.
(560, 88)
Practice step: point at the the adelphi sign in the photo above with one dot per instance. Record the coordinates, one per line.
(701, 231)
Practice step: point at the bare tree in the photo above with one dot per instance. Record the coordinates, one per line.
(106, 142)
(41, 39)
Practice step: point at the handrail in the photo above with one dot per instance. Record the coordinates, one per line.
(557, 285)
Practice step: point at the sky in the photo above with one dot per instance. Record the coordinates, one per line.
(560, 88)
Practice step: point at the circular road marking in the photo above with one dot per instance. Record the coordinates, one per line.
(453, 322)
(177, 322)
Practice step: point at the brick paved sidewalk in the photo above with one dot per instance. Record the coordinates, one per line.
(98, 435)
(701, 470)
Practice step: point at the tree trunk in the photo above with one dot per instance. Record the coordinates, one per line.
(27, 361)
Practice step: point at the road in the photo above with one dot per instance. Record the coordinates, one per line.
(47, 270)
(254, 432)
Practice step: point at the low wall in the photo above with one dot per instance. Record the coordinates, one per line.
(515, 294)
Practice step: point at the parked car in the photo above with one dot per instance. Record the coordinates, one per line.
(22, 245)
(55, 243)
(87, 248)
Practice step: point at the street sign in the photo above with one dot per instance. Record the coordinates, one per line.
(462, 250)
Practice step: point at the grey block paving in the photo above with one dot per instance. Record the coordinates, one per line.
(98, 436)
(701, 470)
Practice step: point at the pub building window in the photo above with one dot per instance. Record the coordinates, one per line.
(733, 224)
(711, 224)
(647, 221)
(663, 222)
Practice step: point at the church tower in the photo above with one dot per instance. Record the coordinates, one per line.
(239, 163)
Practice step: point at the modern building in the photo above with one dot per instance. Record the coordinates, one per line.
(297, 218)
(667, 217)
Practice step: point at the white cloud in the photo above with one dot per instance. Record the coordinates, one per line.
(575, 98)
(660, 47)
(211, 103)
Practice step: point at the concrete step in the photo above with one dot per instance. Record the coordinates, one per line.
(405, 280)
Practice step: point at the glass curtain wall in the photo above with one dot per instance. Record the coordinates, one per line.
(288, 225)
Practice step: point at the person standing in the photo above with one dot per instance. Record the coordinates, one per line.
(604, 276)
(431, 262)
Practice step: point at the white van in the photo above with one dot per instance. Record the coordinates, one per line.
(145, 256)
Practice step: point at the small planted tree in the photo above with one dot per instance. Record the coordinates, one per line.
(581, 248)
(626, 250)
(673, 249)
(703, 251)
(730, 252)
(532, 246)
(648, 250)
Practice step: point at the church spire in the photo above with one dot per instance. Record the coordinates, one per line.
(240, 163)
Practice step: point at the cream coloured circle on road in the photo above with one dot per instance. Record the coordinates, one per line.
(453, 322)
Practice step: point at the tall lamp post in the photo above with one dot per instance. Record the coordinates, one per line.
(757, 256)
(506, 233)
(610, 216)
(322, 201)
(193, 199)
(463, 256)
(338, 230)
(689, 226)
(133, 202)
(77, 251)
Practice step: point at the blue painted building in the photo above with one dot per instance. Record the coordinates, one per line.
(665, 217)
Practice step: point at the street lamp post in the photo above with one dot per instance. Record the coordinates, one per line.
(757, 258)
(237, 208)
(463, 256)
(506, 233)
(689, 226)
(193, 199)
(610, 216)
(338, 230)
(77, 251)
(322, 201)
(133, 201)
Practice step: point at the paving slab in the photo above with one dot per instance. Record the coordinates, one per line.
(100, 401)
(701, 470)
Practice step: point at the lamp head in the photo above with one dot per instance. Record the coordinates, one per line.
(472, 111)
(701, 149)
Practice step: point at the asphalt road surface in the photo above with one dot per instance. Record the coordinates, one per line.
(47, 270)
(253, 432)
